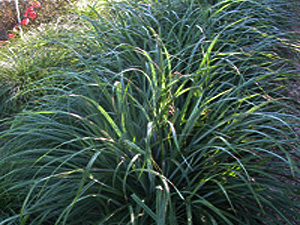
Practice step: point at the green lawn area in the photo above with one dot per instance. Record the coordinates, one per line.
(151, 112)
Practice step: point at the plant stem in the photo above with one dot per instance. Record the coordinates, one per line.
(18, 17)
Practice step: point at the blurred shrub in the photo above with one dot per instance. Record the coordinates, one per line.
(49, 11)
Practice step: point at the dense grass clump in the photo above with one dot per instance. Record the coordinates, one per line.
(160, 112)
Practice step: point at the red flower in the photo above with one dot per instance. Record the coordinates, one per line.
(25, 22)
(10, 36)
(32, 15)
(28, 11)
(30, 8)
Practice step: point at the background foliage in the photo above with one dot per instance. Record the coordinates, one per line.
(49, 10)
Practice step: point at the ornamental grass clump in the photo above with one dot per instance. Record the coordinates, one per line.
(170, 116)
